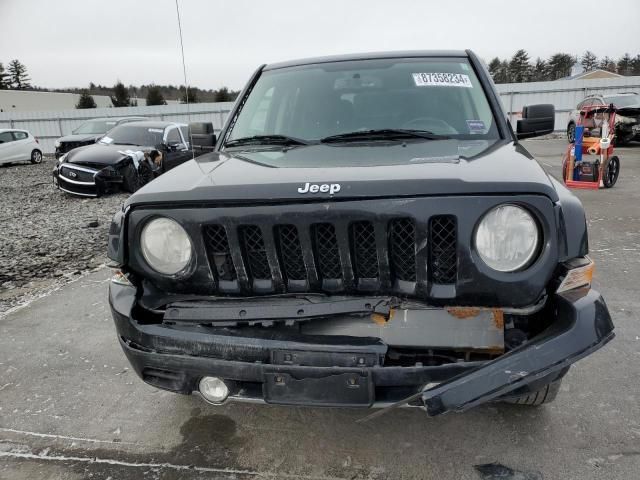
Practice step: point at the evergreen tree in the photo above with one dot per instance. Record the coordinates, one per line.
(189, 94)
(560, 65)
(608, 64)
(223, 95)
(624, 65)
(589, 61)
(120, 97)
(86, 101)
(4, 78)
(155, 97)
(18, 77)
(519, 67)
(540, 71)
(635, 65)
(494, 68)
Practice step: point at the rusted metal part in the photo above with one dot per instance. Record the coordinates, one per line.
(463, 312)
(472, 312)
(380, 319)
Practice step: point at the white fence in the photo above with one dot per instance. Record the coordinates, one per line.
(563, 94)
(48, 126)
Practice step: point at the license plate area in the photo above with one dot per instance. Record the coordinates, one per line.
(304, 386)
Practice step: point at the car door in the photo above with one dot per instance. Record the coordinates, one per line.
(23, 145)
(176, 149)
(7, 147)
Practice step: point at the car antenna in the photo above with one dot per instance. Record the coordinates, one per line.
(186, 84)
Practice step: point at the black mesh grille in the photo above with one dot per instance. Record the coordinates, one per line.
(256, 255)
(326, 250)
(291, 252)
(217, 243)
(402, 241)
(365, 256)
(443, 239)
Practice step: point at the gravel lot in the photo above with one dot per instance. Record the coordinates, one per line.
(47, 237)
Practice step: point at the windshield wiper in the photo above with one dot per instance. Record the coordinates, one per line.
(266, 140)
(384, 133)
(124, 143)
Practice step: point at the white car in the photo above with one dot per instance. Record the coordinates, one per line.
(19, 145)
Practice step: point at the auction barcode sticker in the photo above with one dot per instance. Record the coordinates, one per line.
(442, 79)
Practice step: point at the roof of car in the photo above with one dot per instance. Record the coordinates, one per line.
(13, 130)
(368, 56)
(155, 124)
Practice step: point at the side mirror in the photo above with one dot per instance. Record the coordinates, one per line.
(536, 120)
(171, 146)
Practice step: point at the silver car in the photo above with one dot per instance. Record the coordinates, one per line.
(19, 145)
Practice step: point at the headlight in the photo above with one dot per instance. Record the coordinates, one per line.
(165, 246)
(507, 238)
(56, 144)
(62, 158)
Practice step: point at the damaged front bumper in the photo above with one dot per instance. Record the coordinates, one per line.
(267, 365)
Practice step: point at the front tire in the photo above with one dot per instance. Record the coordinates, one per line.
(36, 157)
(546, 394)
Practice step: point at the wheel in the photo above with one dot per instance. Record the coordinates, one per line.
(36, 156)
(130, 181)
(546, 394)
(611, 172)
(571, 132)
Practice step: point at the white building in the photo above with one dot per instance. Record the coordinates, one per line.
(28, 101)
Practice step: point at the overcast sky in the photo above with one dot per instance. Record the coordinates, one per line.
(72, 42)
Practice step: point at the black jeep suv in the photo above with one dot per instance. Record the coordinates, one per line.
(368, 231)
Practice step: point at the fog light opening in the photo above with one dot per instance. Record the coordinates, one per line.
(213, 389)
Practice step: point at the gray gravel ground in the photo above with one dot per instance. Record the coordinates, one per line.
(46, 236)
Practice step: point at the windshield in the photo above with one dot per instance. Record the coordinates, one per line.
(309, 103)
(623, 100)
(129, 134)
(95, 127)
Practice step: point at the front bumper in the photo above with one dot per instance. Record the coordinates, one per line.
(88, 182)
(176, 357)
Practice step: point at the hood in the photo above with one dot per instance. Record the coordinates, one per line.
(99, 154)
(81, 137)
(449, 167)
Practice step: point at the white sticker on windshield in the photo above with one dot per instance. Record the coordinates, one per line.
(156, 130)
(106, 140)
(441, 80)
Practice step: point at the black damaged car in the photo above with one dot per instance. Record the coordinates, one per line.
(121, 158)
(89, 133)
(368, 232)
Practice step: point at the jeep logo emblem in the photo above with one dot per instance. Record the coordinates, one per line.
(329, 188)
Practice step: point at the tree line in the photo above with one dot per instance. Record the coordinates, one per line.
(520, 68)
(16, 77)
(123, 96)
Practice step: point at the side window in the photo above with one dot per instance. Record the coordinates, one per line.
(6, 137)
(174, 136)
(20, 135)
(185, 133)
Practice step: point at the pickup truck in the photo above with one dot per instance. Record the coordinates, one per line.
(369, 232)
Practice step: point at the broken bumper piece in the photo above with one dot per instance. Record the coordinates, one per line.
(583, 325)
(321, 369)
